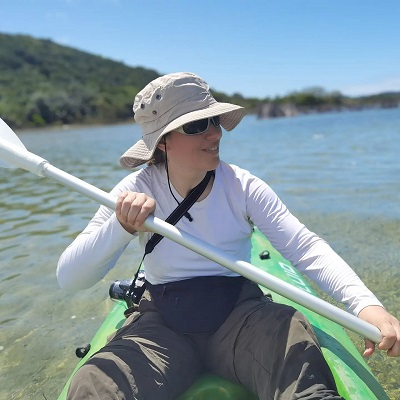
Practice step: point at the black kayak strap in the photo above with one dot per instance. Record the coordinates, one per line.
(179, 211)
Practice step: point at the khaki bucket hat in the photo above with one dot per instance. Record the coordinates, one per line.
(169, 102)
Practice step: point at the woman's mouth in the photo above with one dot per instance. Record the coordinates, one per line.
(214, 149)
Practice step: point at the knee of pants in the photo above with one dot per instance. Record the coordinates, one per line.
(265, 330)
(300, 329)
(100, 379)
(275, 327)
(286, 317)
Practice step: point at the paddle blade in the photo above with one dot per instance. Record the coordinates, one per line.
(8, 136)
(14, 154)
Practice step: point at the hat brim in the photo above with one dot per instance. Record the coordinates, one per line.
(140, 152)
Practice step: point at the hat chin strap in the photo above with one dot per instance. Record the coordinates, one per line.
(186, 214)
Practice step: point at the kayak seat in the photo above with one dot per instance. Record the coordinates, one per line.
(211, 387)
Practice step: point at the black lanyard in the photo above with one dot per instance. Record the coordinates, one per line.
(172, 219)
(179, 211)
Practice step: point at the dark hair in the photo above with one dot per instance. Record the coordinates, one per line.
(158, 155)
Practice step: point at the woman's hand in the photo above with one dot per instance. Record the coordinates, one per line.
(389, 327)
(132, 210)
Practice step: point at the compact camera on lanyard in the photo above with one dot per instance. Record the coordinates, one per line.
(123, 290)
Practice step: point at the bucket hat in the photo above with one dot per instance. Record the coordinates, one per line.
(169, 102)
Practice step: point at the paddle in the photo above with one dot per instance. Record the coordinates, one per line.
(14, 153)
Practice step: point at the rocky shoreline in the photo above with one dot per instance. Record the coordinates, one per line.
(277, 110)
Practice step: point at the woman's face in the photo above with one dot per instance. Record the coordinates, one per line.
(199, 153)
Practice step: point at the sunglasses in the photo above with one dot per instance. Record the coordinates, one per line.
(198, 127)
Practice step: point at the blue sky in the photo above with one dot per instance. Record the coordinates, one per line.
(257, 48)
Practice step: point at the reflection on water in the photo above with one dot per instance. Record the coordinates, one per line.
(337, 172)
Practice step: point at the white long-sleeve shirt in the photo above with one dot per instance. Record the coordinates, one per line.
(224, 219)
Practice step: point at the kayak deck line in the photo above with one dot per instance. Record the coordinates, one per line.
(353, 377)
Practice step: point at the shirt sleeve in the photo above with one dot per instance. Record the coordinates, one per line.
(304, 249)
(95, 251)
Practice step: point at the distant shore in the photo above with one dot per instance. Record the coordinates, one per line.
(277, 110)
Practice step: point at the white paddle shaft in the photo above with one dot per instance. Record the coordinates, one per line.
(243, 268)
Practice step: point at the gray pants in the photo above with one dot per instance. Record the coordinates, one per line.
(267, 347)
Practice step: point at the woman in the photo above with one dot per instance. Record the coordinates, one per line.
(196, 315)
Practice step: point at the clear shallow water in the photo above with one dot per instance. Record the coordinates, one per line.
(339, 173)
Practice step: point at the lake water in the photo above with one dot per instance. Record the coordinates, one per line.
(339, 173)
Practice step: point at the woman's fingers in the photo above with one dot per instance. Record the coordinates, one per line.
(389, 327)
(391, 337)
(132, 209)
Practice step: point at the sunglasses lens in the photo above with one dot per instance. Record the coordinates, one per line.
(196, 127)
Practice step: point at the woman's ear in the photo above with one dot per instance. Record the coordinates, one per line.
(162, 144)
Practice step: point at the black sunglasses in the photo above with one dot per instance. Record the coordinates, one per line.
(198, 127)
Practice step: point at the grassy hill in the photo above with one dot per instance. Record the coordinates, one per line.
(44, 83)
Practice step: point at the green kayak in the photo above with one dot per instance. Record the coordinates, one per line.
(353, 377)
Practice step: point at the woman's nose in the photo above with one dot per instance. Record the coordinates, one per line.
(213, 132)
